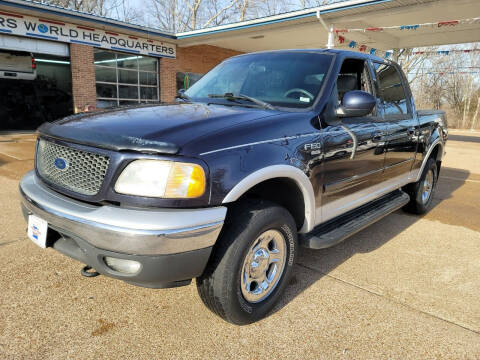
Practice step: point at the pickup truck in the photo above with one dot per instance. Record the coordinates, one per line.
(17, 65)
(267, 152)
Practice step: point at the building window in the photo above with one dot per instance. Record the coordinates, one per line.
(125, 79)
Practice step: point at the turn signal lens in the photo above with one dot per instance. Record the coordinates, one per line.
(185, 181)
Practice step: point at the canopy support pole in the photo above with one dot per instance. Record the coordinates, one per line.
(331, 36)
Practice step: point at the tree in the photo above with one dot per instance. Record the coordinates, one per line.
(187, 15)
(448, 81)
(98, 7)
(412, 61)
(119, 9)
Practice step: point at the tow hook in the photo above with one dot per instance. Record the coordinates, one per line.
(85, 272)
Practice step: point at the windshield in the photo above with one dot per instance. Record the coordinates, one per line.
(285, 79)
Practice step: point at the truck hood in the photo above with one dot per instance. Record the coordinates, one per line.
(150, 129)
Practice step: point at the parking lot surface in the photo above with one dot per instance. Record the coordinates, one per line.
(406, 287)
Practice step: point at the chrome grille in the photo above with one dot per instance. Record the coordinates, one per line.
(75, 170)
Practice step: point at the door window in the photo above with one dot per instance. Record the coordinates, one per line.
(354, 75)
(391, 92)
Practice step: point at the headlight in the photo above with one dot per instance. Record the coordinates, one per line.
(164, 179)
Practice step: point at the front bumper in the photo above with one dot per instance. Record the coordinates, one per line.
(171, 245)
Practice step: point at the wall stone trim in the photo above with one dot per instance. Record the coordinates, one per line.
(83, 78)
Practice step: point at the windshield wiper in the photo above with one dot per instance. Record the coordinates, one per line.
(230, 96)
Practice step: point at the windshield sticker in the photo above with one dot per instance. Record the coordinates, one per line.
(304, 99)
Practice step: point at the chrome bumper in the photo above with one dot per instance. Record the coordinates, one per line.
(128, 231)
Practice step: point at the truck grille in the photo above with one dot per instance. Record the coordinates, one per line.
(75, 170)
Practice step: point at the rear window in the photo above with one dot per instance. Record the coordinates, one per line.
(392, 92)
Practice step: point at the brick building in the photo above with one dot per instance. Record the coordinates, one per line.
(54, 62)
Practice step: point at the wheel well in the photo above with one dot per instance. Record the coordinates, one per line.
(437, 155)
(434, 153)
(283, 191)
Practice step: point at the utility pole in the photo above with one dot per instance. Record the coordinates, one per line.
(475, 116)
(396, 55)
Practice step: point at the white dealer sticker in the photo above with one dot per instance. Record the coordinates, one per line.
(37, 230)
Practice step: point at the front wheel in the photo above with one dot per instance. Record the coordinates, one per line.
(251, 263)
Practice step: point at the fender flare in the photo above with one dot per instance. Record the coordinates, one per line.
(279, 171)
(432, 146)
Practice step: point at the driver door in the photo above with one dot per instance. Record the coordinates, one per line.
(352, 175)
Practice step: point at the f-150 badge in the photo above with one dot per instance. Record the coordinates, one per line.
(313, 148)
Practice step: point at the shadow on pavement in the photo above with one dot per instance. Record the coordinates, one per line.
(314, 264)
(474, 139)
(2, 162)
(13, 169)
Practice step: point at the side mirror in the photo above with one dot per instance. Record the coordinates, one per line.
(181, 95)
(356, 103)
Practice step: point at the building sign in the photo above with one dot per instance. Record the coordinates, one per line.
(29, 26)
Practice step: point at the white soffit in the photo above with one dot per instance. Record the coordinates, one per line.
(303, 30)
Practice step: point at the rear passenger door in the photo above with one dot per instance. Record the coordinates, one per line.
(401, 124)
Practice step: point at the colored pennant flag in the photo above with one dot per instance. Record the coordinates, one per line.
(448, 23)
(409, 27)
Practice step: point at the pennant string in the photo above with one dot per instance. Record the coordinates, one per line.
(387, 54)
(439, 24)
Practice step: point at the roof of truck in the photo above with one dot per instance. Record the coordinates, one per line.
(346, 53)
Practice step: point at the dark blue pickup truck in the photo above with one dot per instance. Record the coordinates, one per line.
(268, 151)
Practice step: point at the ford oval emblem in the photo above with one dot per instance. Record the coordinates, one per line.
(61, 164)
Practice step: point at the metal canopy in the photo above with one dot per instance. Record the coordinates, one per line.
(302, 29)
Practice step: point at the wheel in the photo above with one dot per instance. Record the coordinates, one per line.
(421, 192)
(251, 262)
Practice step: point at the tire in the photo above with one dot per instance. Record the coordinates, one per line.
(227, 286)
(420, 201)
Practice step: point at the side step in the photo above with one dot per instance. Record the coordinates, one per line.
(338, 229)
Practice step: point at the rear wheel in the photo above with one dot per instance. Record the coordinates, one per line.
(251, 263)
(421, 192)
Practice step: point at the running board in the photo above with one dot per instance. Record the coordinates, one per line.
(338, 229)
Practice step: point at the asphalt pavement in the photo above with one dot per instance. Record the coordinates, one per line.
(406, 287)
